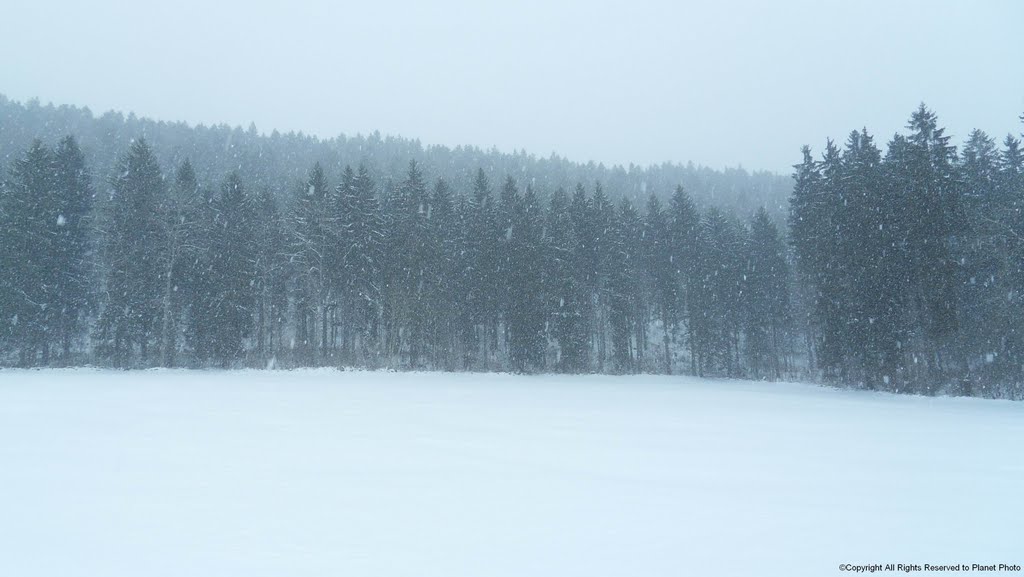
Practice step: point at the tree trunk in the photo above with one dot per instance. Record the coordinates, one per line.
(167, 326)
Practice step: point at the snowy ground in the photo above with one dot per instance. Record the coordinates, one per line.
(190, 474)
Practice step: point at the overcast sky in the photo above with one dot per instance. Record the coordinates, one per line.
(716, 83)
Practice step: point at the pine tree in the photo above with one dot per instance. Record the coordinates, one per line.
(480, 272)
(876, 277)
(505, 272)
(271, 269)
(832, 305)
(718, 294)
(360, 245)
(601, 223)
(28, 277)
(345, 212)
(984, 318)
(443, 244)
(685, 244)
(406, 267)
(73, 206)
(179, 219)
(863, 245)
(805, 233)
(1011, 220)
(584, 268)
(624, 302)
(659, 262)
(200, 298)
(934, 221)
(766, 288)
(233, 255)
(524, 313)
(311, 243)
(135, 257)
(805, 215)
(568, 297)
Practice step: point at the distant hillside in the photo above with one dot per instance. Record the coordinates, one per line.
(277, 161)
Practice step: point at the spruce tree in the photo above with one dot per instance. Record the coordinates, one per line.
(624, 302)
(443, 244)
(360, 234)
(28, 275)
(766, 286)
(524, 312)
(718, 294)
(179, 219)
(271, 267)
(406, 267)
(135, 253)
(567, 291)
(659, 262)
(480, 273)
(505, 272)
(585, 268)
(601, 223)
(934, 222)
(233, 245)
(862, 244)
(74, 198)
(983, 306)
(198, 275)
(310, 248)
(685, 243)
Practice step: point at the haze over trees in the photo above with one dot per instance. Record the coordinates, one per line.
(277, 160)
(898, 270)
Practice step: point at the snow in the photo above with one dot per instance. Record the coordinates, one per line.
(169, 473)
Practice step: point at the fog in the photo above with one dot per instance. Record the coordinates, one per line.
(736, 83)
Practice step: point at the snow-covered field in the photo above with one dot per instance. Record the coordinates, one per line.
(187, 474)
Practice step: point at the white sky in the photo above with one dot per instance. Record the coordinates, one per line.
(719, 83)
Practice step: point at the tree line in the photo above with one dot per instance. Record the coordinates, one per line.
(166, 270)
(898, 271)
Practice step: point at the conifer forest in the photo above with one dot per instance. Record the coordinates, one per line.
(132, 243)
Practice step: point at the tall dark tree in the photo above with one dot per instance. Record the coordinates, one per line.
(134, 251)
(271, 266)
(806, 233)
(584, 258)
(685, 243)
(766, 288)
(933, 222)
(985, 312)
(443, 243)
(566, 286)
(74, 201)
(659, 262)
(1010, 195)
(233, 252)
(199, 278)
(406, 268)
(480, 266)
(180, 219)
(310, 248)
(509, 203)
(863, 245)
(525, 309)
(28, 276)
(625, 304)
(600, 267)
(361, 253)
